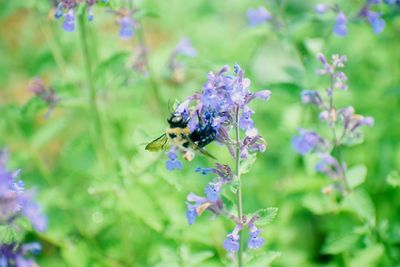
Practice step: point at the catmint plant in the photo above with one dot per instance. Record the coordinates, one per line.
(223, 106)
(67, 9)
(366, 13)
(343, 125)
(17, 204)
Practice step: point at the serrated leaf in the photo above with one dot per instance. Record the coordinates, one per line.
(393, 179)
(338, 243)
(361, 204)
(266, 216)
(368, 257)
(356, 175)
(264, 260)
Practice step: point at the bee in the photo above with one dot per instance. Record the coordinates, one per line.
(179, 134)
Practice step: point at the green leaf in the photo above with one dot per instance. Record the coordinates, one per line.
(266, 216)
(75, 254)
(318, 204)
(246, 164)
(368, 257)
(194, 259)
(32, 107)
(264, 259)
(356, 175)
(361, 204)
(393, 179)
(338, 243)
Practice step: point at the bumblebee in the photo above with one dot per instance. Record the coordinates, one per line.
(179, 134)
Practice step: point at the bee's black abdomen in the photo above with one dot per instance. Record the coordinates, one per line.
(203, 135)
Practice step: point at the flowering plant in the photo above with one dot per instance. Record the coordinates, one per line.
(16, 204)
(223, 107)
(343, 123)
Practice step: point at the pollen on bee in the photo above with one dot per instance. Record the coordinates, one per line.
(189, 155)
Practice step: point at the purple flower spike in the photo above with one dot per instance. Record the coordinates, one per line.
(69, 21)
(257, 16)
(340, 28)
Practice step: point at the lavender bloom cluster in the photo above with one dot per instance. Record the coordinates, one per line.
(343, 123)
(224, 105)
(16, 203)
(67, 9)
(365, 13)
(14, 255)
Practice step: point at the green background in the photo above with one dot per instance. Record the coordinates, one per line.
(132, 213)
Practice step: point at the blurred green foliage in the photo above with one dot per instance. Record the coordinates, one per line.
(128, 210)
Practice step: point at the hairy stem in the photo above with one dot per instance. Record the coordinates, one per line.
(94, 110)
(239, 188)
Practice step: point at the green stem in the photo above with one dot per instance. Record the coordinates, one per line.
(336, 142)
(99, 134)
(239, 188)
(152, 80)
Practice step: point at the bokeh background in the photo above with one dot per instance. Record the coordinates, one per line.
(128, 210)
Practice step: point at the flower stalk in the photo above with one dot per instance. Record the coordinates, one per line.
(239, 188)
(94, 110)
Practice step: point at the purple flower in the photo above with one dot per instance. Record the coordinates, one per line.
(196, 205)
(255, 241)
(321, 8)
(16, 255)
(127, 26)
(173, 162)
(328, 165)
(14, 201)
(69, 21)
(311, 97)
(307, 141)
(257, 16)
(33, 212)
(377, 23)
(185, 48)
(340, 28)
(231, 243)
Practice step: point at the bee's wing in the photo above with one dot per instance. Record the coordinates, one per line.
(158, 144)
(201, 150)
(205, 153)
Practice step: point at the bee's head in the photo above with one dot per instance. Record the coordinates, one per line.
(177, 120)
